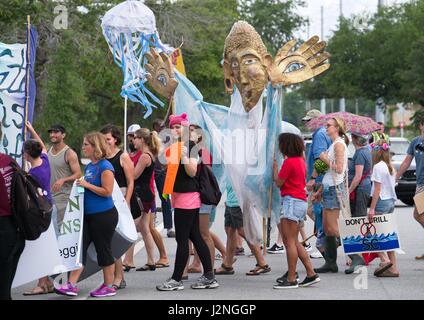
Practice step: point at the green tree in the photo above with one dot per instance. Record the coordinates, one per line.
(274, 20)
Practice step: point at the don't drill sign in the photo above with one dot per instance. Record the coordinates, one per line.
(360, 235)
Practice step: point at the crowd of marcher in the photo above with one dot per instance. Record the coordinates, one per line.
(366, 182)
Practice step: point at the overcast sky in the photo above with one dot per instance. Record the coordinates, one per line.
(332, 12)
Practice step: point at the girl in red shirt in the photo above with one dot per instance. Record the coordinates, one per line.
(292, 182)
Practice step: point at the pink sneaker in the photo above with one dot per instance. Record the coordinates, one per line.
(67, 290)
(103, 291)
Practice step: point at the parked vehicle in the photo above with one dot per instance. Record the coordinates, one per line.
(405, 189)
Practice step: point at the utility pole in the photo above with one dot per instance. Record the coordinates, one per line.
(342, 101)
(322, 102)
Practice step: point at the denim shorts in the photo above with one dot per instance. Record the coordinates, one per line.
(205, 209)
(385, 206)
(329, 196)
(293, 209)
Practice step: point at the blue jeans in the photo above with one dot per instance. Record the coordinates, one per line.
(318, 224)
(166, 203)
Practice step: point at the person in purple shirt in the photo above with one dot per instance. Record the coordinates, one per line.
(35, 153)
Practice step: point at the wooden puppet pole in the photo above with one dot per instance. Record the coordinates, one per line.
(125, 122)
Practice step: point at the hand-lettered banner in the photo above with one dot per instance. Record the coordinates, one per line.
(359, 235)
(14, 96)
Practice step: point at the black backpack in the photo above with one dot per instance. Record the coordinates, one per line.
(208, 186)
(31, 208)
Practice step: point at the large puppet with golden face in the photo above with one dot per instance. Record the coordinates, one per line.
(249, 66)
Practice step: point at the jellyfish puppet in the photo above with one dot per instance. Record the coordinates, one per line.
(130, 31)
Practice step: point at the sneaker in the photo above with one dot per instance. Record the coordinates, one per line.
(282, 278)
(218, 256)
(286, 285)
(103, 291)
(205, 283)
(170, 233)
(239, 251)
(67, 290)
(310, 281)
(316, 255)
(308, 247)
(170, 285)
(276, 249)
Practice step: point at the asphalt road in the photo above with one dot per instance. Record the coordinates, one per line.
(141, 285)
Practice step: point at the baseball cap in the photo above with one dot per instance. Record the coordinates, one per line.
(133, 128)
(314, 113)
(57, 128)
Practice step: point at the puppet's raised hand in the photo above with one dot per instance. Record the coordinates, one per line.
(160, 73)
(291, 67)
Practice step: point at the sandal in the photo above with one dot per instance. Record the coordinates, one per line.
(127, 268)
(383, 267)
(421, 257)
(147, 267)
(226, 270)
(39, 290)
(122, 285)
(161, 265)
(388, 274)
(259, 270)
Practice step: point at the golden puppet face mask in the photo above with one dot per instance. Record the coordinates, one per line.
(249, 66)
(246, 63)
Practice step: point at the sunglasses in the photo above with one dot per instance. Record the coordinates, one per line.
(420, 147)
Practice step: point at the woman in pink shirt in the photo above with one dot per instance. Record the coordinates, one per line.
(186, 202)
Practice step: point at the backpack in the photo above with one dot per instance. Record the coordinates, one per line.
(31, 208)
(210, 194)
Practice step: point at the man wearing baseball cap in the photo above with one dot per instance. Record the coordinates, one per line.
(132, 129)
(57, 128)
(65, 168)
(320, 143)
(311, 114)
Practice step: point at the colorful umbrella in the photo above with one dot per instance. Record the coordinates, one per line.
(354, 123)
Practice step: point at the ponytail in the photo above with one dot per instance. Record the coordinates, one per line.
(155, 143)
(346, 139)
(342, 129)
(151, 139)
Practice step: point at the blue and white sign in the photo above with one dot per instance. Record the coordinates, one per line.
(359, 235)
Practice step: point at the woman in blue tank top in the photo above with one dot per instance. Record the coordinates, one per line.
(100, 215)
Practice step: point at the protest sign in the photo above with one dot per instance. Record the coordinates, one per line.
(125, 235)
(70, 231)
(39, 258)
(360, 235)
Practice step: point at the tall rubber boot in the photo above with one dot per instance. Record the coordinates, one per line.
(330, 256)
(357, 260)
